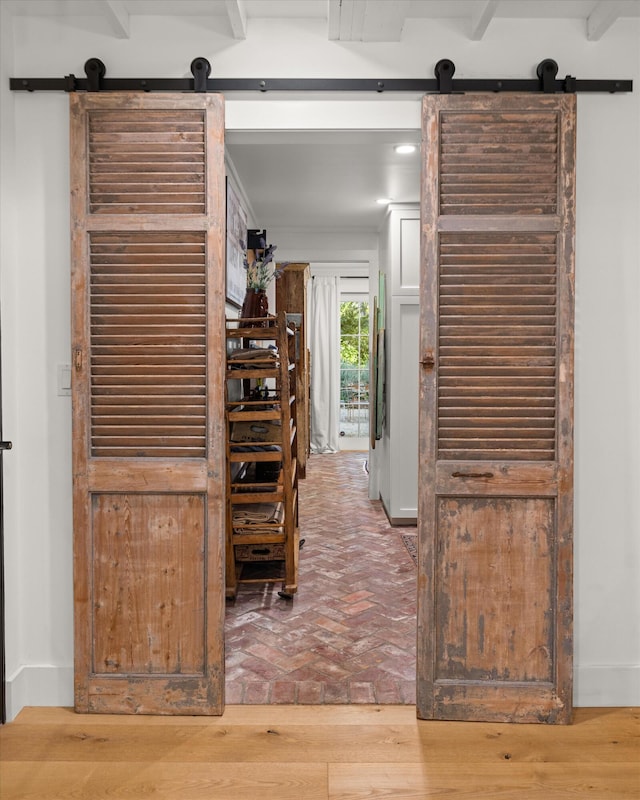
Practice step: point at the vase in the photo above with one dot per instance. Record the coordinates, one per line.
(255, 308)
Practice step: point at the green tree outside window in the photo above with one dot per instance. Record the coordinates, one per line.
(354, 368)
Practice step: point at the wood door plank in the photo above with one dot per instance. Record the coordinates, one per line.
(489, 628)
(148, 579)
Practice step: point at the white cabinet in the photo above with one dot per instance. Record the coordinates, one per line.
(395, 458)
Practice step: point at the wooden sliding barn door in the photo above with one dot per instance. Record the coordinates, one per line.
(147, 213)
(496, 417)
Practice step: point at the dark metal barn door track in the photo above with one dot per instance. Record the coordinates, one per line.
(443, 83)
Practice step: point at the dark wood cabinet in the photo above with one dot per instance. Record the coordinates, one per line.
(291, 297)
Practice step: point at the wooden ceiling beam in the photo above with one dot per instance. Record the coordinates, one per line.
(334, 20)
(602, 18)
(367, 20)
(237, 15)
(481, 18)
(384, 22)
(115, 13)
(352, 16)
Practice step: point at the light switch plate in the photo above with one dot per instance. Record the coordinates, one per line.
(64, 379)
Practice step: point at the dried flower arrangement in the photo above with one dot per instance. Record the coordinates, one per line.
(261, 271)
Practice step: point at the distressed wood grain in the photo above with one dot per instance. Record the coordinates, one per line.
(496, 410)
(148, 216)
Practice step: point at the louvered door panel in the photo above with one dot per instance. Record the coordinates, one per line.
(154, 164)
(148, 340)
(497, 346)
(499, 163)
(148, 224)
(496, 393)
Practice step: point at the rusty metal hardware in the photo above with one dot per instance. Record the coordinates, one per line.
(77, 360)
(428, 362)
(472, 474)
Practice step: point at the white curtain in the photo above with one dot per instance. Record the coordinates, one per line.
(324, 345)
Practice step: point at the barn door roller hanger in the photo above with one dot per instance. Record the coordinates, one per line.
(443, 83)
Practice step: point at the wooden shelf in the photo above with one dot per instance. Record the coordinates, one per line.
(268, 553)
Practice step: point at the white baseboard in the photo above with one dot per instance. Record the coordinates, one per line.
(607, 685)
(594, 686)
(39, 685)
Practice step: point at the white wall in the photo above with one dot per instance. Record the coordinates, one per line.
(34, 284)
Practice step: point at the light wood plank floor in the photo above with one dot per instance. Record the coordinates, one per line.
(316, 753)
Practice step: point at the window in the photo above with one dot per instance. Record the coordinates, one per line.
(354, 368)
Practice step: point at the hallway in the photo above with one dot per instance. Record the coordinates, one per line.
(349, 634)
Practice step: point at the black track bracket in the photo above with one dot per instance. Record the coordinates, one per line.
(200, 69)
(444, 71)
(546, 72)
(95, 71)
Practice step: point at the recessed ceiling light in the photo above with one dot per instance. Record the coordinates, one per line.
(384, 201)
(405, 149)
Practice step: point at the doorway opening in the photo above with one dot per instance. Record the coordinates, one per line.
(348, 636)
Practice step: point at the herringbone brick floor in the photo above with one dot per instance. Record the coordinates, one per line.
(348, 636)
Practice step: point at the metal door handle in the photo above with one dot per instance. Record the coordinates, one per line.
(6, 445)
(472, 474)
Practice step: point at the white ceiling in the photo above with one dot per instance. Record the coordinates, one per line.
(347, 20)
(307, 180)
(324, 180)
